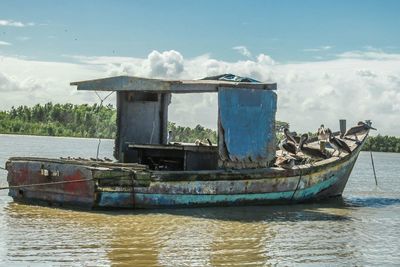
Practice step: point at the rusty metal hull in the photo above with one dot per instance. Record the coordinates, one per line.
(108, 186)
(79, 194)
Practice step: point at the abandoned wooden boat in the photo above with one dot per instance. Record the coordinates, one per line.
(152, 172)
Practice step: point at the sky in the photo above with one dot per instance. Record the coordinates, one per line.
(330, 59)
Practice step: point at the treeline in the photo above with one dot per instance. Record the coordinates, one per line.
(381, 143)
(86, 121)
(81, 121)
(99, 121)
(60, 120)
(189, 135)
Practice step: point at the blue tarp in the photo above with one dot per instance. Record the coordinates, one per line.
(231, 78)
(247, 118)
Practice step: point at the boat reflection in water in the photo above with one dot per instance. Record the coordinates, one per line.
(188, 237)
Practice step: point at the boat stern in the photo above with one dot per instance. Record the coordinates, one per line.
(50, 183)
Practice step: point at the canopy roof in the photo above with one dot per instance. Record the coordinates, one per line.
(131, 83)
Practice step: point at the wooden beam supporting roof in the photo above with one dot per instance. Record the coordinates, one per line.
(130, 83)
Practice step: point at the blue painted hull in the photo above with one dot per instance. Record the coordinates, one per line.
(324, 183)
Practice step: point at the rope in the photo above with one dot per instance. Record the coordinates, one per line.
(373, 168)
(67, 182)
(297, 186)
(98, 118)
(43, 184)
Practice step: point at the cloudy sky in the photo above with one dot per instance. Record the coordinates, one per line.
(331, 59)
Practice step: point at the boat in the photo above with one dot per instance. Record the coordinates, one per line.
(152, 171)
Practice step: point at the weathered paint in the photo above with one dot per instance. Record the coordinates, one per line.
(246, 127)
(312, 185)
(300, 194)
(29, 172)
(159, 200)
(140, 110)
(124, 200)
(242, 186)
(316, 185)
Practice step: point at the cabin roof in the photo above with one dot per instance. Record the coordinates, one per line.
(131, 83)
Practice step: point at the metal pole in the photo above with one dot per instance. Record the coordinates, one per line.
(373, 168)
(342, 124)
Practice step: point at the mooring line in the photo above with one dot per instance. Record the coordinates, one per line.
(73, 181)
(373, 167)
(43, 184)
(297, 186)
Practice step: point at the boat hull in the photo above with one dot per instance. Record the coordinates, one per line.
(314, 186)
(87, 186)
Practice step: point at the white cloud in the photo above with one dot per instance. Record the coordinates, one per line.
(4, 43)
(156, 65)
(27, 82)
(265, 60)
(309, 93)
(13, 23)
(374, 55)
(242, 50)
(165, 64)
(366, 73)
(318, 49)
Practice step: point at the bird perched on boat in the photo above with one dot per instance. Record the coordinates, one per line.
(313, 153)
(295, 137)
(322, 133)
(291, 136)
(287, 146)
(360, 129)
(285, 162)
(337, 144)
(198, 142)
(94, 159)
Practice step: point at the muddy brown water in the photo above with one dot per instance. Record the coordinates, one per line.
(361, 229)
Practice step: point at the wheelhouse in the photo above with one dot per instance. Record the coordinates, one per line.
(246, 123)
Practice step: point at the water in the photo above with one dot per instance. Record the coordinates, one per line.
(360, 230)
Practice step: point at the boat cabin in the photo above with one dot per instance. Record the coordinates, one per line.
(246, 123)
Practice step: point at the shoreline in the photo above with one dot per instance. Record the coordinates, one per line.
(96, 138)
(53, 136)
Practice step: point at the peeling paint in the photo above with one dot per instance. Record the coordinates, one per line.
(246, 127)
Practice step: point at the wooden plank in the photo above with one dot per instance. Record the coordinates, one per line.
(185, 147)
(159, 147)
(86, 162)
(130, 83)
